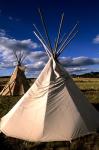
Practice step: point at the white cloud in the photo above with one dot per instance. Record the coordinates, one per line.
(7, 45)
(36, 56)
(2, 32)
(79, 61)
(37, 65)
(5, 65)
(36, 60)
(96, 39)
(32, 73)
(76, 70)
(72, 65)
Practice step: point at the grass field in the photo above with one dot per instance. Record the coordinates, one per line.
(89, 86)
(87, 83)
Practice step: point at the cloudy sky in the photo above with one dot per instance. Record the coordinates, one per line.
(16, 33)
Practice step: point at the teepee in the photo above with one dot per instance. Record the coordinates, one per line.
(18, 84)
(53, 109)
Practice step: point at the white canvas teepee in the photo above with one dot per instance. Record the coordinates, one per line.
(53, 109)
(18, 84)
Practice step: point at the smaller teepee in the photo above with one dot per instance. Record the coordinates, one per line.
(18, 84)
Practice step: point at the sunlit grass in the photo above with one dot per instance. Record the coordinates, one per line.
(90, 88)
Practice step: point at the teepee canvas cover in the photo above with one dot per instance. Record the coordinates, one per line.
(18, 83)
(53, 109)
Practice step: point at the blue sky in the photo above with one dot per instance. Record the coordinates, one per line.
(16, 26)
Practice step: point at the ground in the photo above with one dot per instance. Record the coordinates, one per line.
(89, 86)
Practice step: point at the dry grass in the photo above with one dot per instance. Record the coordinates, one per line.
(90, 87)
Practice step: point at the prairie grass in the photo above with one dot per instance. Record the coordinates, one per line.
(90, 87)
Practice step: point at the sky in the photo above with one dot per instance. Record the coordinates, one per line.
(16, 33)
